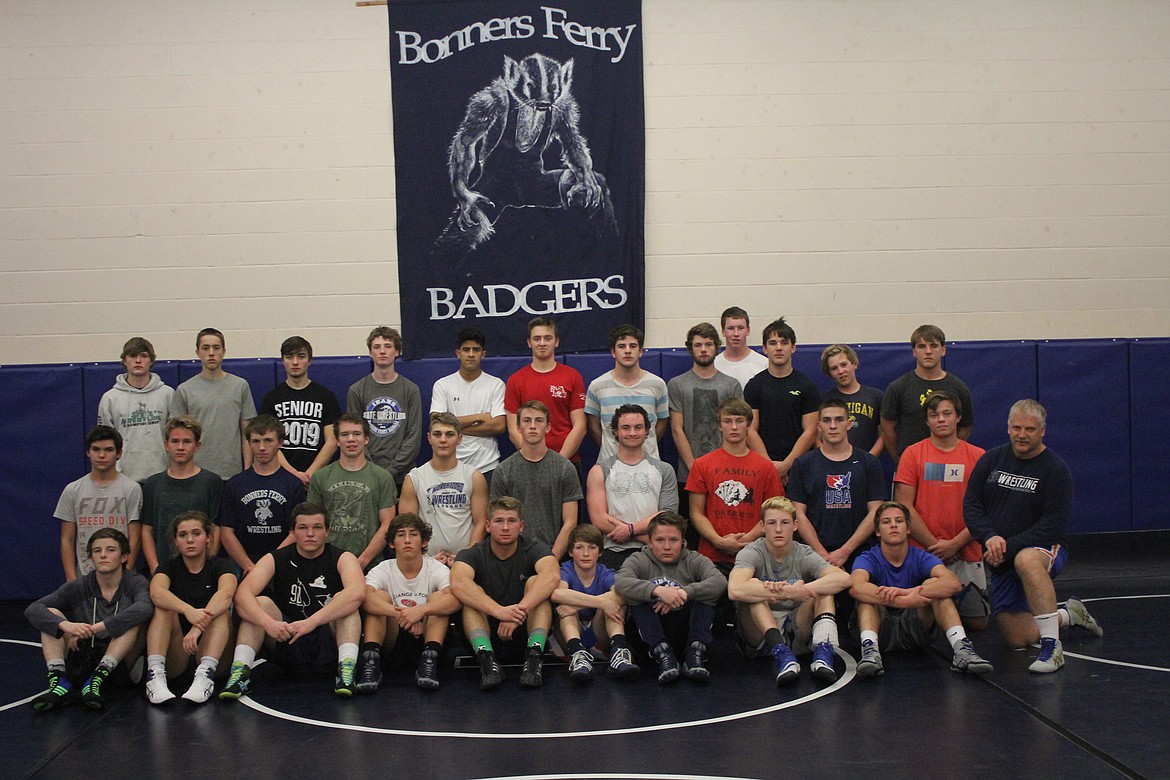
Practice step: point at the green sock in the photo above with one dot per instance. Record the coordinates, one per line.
(480, 641)
(537, 639)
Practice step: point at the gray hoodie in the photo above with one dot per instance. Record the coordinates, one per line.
(694, 573)
(139, 415)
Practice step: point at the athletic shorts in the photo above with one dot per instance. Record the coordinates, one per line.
(786, 622)
(313, 652)
(972, 600)
(1007, 592)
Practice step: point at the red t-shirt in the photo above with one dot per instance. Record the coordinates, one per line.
(735, 487)
(562, 390)
(940, 479)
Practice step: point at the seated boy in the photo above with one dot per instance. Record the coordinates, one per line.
(504, 584)
(672, 593)
(192, 595)
(591, 616)
(904, 595)
(301, 603)
(784, 593)
(91, 624)
(408, 603)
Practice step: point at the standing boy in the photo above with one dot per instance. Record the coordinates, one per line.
(477, 401)
(103, 498)
(391, 405)
(137, 407)
(222, 403)
(306, 409)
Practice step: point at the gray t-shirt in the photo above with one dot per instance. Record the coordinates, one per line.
(91, 507)
(394, 411)
(220, 405)
(542, 487)
(697, 399)
(634, 492)
(801, 563)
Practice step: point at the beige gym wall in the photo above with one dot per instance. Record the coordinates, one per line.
(999, 168)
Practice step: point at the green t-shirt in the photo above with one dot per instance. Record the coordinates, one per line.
(353, 500)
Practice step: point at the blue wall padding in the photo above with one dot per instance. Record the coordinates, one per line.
(998, 377)
(1084, 386)
(43, 435)
(1123, 482)
(1150, 467)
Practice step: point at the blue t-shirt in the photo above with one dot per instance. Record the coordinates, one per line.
(602, 582)
(836, 493)
(914, 571)
(257, 509)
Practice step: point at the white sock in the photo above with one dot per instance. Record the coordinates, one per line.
(244, 655)
(869, 636)
(824, 629)
(207, 665)
(1065, 618)
(1049, 625)
(955, 636)
(157, 664)
(347, 650)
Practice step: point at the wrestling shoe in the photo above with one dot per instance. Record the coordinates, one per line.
(91, 694)
(343, 681)
(426, 676)
(695, 663)
(201, 687)
(1050, 658)
(787, 667)
(870, 664)
(370, 673)
(532, 675)
(581, 666)
(621, 664)
(668, 669)
(490, 673)
(157, 691)
(239, 682)
(968, 661)
(1079, 616)
(822, 663)
(59, 694)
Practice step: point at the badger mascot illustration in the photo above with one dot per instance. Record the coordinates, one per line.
(499, 156)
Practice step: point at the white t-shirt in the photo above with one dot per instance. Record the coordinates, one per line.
(444, 501)
(743, 370)
(387, 577)
(484, 394)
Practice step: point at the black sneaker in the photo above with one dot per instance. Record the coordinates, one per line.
(531, 676)
(239, 682)
(369, 675)
(695, 663)
(59, 694)
(91, 694)
(621, 664)
(427, 674)
(490, 673)
(668, 669)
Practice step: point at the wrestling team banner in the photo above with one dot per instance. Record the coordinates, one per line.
(519, 146)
